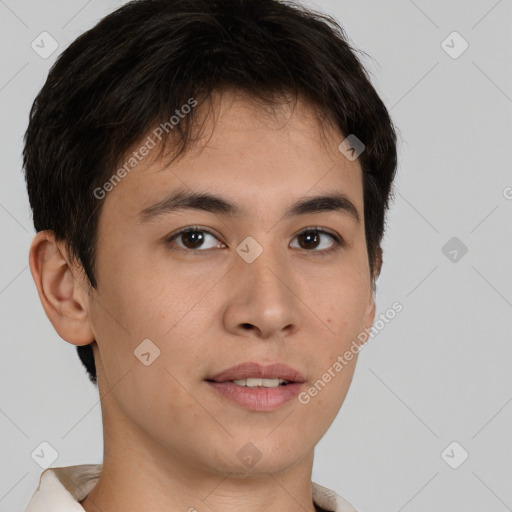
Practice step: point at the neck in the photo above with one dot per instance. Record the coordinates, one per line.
(136, 487)
(138, 474)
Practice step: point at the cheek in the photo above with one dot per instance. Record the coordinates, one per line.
(342, 305)
(344, 301)
(140, 300)
(154, 399)
(324, 397)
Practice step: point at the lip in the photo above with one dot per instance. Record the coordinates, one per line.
(258, 371)
(258, 399)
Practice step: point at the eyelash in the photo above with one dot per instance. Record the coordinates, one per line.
(338, 240)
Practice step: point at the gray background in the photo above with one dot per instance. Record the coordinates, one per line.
(439, 372)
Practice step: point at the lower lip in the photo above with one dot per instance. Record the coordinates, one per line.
(257, 399)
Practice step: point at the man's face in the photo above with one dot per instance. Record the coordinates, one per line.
(251, 286)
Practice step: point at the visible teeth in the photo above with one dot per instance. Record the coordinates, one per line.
(266, 383)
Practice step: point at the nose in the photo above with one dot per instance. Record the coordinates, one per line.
(264, 300)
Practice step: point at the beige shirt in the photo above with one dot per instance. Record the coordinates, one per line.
(61, 490)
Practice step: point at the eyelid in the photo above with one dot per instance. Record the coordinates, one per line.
(320, 229)
(193, 227)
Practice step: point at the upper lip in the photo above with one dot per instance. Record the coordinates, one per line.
(258, 371)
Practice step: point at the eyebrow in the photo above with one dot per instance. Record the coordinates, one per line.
(190, 200)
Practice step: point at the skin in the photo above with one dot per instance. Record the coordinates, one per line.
(170, 441)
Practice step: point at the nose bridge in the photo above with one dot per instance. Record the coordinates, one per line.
(264, 264)
(266, 286)
(267, 277)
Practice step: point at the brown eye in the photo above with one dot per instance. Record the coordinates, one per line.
(193, 239)
(310, 239)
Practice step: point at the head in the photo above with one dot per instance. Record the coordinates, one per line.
(245, 100)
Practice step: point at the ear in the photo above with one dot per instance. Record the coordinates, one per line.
(369, 316)
(61, 288)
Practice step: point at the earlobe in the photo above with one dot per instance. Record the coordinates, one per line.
(62, 294)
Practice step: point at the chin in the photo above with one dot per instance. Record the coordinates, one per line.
(266, 453)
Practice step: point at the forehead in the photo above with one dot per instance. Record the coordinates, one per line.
(262, 155)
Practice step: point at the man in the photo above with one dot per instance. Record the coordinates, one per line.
(209, 182)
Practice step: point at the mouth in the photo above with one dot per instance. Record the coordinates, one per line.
(256, 375)
(258, 387)
(253, 382)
